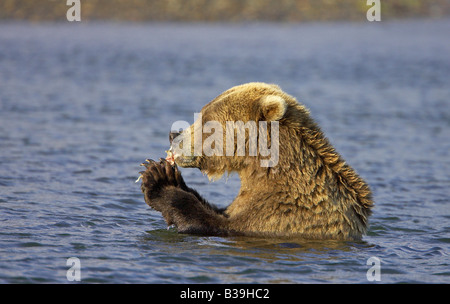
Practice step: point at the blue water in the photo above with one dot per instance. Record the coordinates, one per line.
(82, 105)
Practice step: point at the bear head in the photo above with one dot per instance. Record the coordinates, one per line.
(247, 126)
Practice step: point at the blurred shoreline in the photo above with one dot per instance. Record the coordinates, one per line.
(222, 10)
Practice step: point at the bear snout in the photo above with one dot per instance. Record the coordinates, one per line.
(172, 135)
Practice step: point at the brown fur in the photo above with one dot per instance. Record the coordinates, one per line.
(310, 193)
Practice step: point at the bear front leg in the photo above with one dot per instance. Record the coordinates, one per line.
(164, 174)
(165, 191)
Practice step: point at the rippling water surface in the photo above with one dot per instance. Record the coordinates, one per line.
(81, 105)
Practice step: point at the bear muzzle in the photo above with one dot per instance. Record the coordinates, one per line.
(186, 161)
(172, 135)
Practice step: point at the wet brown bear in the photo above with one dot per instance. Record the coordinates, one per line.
(308, 191)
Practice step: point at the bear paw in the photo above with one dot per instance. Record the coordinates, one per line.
(157, 177)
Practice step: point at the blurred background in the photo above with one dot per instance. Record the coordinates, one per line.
(222, 10)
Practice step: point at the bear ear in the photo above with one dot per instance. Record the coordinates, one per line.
(273, 107)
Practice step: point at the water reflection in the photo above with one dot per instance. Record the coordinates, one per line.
(249, 247)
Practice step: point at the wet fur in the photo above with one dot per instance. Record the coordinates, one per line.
(311, 192)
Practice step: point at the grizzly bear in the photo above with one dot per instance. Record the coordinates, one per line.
(306, 191)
